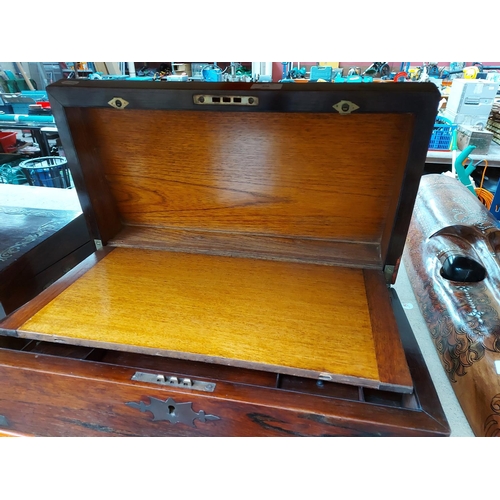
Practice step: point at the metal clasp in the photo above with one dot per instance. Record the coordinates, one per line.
(172, 381)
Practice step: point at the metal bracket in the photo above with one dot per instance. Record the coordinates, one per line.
(184, 383)
(118, 103)
(98, 244)
(345, 107)
(389, 273)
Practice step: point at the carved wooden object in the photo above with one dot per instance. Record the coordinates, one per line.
(452, 258)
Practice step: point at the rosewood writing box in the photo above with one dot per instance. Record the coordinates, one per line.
(248, 238)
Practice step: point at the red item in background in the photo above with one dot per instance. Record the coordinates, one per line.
(8, 141)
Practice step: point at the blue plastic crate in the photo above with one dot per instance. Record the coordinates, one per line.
(442, 136)
(20, 108)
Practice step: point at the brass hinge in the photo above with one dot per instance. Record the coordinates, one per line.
(389, 273)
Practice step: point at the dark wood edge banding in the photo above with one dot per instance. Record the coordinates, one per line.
(393, 370)
(425, 392)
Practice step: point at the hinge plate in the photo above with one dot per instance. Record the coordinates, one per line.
(389, 273)
(180, 382)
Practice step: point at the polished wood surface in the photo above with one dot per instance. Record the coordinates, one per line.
(301, 319)
(22, 229)
(299, 175)
(12, 434)
(33, 271)
(43, 234)
(463, 316)
(347, 253)
(263, 326)
(51, 395)
(9, 324)
(393, 370)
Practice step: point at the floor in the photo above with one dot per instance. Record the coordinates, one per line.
(458, 423)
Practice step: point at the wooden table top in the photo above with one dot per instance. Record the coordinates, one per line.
(12, 195)
(29, 215)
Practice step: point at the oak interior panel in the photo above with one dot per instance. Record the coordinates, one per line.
(307, 175)
(301, 319)
(365, 255)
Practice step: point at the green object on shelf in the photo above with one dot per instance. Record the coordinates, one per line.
(454, 145)
(463, 173)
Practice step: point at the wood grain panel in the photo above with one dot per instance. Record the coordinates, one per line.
(366, 255)
(9, 324)
(88, 176)
(54, 396)
(388, 347)
(298, 174)
(299, 319)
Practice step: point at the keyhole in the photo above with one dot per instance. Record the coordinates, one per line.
(171, 410)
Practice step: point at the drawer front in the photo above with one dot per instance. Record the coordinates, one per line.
(49, 396)
(51, 404)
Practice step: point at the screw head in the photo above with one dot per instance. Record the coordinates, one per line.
(201, 99)
(251, 100)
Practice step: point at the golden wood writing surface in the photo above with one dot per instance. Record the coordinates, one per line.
(303, 175)
(304, 319)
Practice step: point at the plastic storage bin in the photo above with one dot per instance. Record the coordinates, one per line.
(47, 171)
(321, 73)
(442, 135)
(8, 142)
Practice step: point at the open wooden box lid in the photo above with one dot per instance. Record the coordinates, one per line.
(310, 186)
